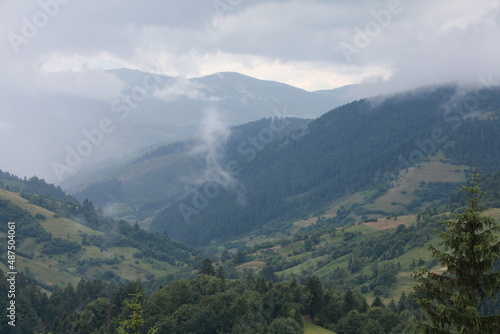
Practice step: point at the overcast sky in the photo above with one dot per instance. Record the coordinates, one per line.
(311, 44)
(63, 45)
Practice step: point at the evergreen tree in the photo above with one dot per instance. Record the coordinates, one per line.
(402, 303)
(221, 273)
(451, 300)
(349, 301)
(392, 306)
(315, 300)
(207, 268)
(135, 321)
(377, 302)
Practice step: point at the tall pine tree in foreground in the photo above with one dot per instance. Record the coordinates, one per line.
(451, 300)
(135, 320)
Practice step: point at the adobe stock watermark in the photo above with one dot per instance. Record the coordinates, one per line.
(200, 197)
(121, 106)
(31, 26)
(11, 274)
(372, 29)
(453, 118)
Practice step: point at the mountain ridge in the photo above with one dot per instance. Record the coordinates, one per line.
(164, 173)
(363, 144)
(146, 109)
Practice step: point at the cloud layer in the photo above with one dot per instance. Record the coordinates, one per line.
(297, 42)
(52, 48)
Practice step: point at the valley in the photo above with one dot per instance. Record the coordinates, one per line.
(249, 167)
(318, 200)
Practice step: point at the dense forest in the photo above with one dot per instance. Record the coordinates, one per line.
(217, 298)
(210, 303)
(207, 304)
(336, 270)
(360, 145)
(174, 167)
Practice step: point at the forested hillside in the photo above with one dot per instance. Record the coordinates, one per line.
(137, 188)
(301, 226)
(362, 145)
(208, 304)
(355, 279)
(33, 185)
(58, 242)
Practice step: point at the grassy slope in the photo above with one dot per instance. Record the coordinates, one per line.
(434, 170)
(310, 264)
(402, 191)
(61, 269)
(59, 227)
(405, 281)
(310, 328)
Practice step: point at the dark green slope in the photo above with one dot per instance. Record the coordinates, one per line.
(477, 142)
(362, 144)
(136, 189)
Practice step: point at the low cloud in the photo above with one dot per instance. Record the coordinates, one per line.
(218, 172)
(214, 134)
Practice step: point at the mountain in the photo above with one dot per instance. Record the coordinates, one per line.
(311, 268)
(352, 279)
(191, 191)
(365, 144)
(60, 241)
(68, 131)
(135, 188)
(238, 98)
(326, 219)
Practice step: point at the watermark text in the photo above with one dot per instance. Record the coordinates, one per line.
(11, 274)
